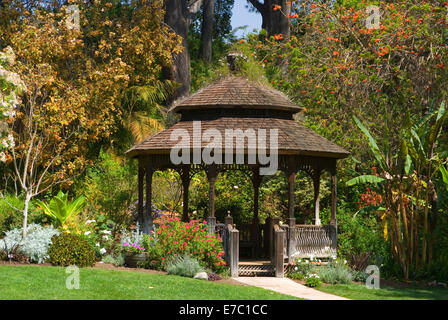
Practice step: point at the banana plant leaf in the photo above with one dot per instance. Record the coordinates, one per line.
(364, 180)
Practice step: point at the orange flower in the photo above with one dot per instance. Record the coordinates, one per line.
(278, 36)
(277, 7)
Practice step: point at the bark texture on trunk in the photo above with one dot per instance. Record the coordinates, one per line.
(176, 17)
(207, 30)
(274, 22)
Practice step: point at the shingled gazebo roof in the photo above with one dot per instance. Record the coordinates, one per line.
(238, 103)
(237, 92)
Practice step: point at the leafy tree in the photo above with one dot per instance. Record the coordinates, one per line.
(334, 66)
(110, 189)
(75, 80)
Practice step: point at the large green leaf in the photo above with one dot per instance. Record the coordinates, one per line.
(373, 145)
(444, 172)
(60, 210)
(442, 115)
(364, 179)
(408, 164)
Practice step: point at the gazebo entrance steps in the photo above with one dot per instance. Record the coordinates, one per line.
(256, 269)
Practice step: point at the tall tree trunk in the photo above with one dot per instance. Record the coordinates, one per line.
(275, 22)
(207, 30)
(176, 17)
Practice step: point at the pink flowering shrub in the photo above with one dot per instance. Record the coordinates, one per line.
(179, 238)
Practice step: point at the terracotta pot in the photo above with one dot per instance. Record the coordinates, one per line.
(135, 260)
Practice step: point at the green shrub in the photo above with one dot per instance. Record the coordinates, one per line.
(300, 269)
(296, 276)
(360, 276)
(336, 273)
(9, 217)
(313, 280)
(110, 188)
(117, 261)
(185, 266)
(70, 249)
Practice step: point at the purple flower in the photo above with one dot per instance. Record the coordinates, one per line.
(125, 244)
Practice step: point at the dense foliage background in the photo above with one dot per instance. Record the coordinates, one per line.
(90, 94)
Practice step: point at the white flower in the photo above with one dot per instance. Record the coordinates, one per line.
(295, 268)
(103, 251)
(106, 237)
(306, 262)
(235, 187)
(87, 233)
(345, 261)
(106, 232)
(89, 221)
(97, 244)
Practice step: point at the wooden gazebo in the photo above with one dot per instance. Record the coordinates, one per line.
(236, 103)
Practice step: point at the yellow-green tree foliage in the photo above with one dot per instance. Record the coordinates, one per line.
(75, 77)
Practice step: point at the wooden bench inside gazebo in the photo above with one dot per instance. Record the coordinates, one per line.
(235, 103)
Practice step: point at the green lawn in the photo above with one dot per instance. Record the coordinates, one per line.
(360, 292)
(44, 282)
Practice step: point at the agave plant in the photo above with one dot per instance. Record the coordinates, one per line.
(60, 209)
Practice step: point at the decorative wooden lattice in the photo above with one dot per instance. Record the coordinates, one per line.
(256, 270)
(313, 241)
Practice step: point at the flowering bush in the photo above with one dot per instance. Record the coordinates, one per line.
(96, 232)
(301, 268)
(179, 238)
(133, 248)
(10, 86)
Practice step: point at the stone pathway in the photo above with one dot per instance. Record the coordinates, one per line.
(289, 287)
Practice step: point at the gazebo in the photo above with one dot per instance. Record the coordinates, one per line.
(261, 137)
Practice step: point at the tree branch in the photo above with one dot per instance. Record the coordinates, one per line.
(258, 5)
(194, 6)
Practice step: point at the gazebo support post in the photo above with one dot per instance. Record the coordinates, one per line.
(148, 224)
(316, 183)
(185, 175)
(211, 176)
(291, 220)
(141, 182)
(255, 228)
(333, 220)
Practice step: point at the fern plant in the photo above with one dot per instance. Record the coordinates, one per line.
(60, 209)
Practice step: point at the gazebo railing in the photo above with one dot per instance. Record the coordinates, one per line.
(313, 241)
(229, 236)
